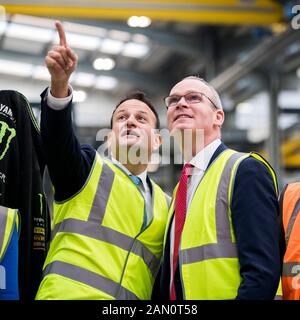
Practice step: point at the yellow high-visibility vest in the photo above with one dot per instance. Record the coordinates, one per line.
(99, 249)
(8, 219)
(208, 260)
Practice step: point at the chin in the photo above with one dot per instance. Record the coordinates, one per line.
(181, 127)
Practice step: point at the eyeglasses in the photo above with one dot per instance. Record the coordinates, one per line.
(190, 98)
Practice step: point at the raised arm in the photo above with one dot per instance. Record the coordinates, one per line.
(61, 61)
(69, 164)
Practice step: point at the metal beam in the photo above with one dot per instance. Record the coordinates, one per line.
(262, 54)
(274, 141)
(259, 12)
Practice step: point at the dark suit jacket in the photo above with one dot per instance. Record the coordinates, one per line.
(255, 221)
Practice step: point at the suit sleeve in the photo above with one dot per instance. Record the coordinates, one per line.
(69, 163)
(255, 214)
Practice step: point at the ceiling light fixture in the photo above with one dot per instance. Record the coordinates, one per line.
(135, 50)
(84, 79)
(14, 68)
(24, 32)
(80, 41)
(106, 83)
(111, 46)
(139, 22)
(104, 64)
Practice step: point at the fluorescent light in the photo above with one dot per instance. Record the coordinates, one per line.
(111, 46)
(85, 29)
(133, 21)
(15, 68)
(84, 79)
(257, 135)
(245, 108)
(80, 41)
(139, 38)
(289, 99)
(33, 21)
(104, 64)
(119, 35)
(24, 32)
(23, 46)
(41, 73)
(135, 50)
(106, 83)
(139, 22)
(3, 25)
(285, 121)
(79, 95)
(144, 22)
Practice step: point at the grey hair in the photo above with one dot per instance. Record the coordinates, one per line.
(215, 96)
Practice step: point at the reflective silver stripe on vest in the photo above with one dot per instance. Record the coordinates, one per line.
(222, 218)
(102, 194)
(209, 251)
(291, 269)
(103, 233)
(93, 229)
(149, 258)
(225, 248)
(3, 221)
(292, 221)
(89, 278)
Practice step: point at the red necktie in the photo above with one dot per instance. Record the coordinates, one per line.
(180, 213)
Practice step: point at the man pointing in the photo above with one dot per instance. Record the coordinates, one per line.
(109, 217)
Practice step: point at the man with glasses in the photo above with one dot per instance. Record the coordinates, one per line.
(222, 237)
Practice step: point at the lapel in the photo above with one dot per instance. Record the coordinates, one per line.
(219, 150)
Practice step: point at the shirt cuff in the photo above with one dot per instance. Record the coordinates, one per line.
(59, 103)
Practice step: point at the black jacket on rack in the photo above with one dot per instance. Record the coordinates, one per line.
(21, 172)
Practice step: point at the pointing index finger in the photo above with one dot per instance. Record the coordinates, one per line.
(61, 33)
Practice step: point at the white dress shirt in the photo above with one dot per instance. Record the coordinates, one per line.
(200, 163)
(59, 103)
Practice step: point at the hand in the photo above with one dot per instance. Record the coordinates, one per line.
(61, 61)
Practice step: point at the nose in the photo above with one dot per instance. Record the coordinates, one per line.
(131, 121)
(182, 103)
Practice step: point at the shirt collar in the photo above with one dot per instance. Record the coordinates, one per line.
(202, 158)
(142, 176)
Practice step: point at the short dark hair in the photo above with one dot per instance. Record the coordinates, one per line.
(141, 96)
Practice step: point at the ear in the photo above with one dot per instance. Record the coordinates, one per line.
(157, 141)
(110, 139)
(220, 116)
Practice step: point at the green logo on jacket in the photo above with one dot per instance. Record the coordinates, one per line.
(6, 135)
